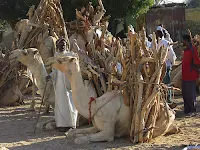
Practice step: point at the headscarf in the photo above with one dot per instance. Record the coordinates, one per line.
(131, 28)
(59, 40)
(151, 36)
(159, 28)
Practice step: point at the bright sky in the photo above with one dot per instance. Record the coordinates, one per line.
(174, 1)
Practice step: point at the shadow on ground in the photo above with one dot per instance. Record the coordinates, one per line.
(17, 126)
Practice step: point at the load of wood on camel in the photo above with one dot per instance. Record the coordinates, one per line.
(127, 77)
(41, 30)
(133, 70)
(142, 110)
(13, 81)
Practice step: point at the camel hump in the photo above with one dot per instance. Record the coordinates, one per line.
(108, 95)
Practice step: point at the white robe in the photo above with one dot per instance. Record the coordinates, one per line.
(65, 111)
(171, 56)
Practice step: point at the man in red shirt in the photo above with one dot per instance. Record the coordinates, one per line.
(189, 75)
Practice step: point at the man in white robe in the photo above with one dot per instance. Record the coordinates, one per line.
(65, 111)
(170, 61)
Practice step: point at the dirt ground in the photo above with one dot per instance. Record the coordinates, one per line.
(17, 126)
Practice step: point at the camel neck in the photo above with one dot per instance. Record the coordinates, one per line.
(79, 94)
(39, 71)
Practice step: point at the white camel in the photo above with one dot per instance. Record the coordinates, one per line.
(32, 59)
(110, 116)
(46, 45)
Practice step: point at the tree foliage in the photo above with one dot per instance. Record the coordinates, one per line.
(13, 9)
(120, 9)
(193, 4)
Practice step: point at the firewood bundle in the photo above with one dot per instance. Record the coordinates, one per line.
(87, 17)
(46, 20)
(147, 71)
(138, 73)
(11, 81)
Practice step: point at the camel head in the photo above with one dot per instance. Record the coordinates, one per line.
(26, 56)
(67, 64)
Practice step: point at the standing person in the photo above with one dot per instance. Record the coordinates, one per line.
(150, 36)
(170, 61)
(65, 111)
(165, 33)
(189, 75)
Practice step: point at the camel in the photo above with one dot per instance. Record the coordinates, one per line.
(176, 79)
(32, 59)
(109, 114)
(12, 96)
(10, 88)
(45, 44)
(80, 39)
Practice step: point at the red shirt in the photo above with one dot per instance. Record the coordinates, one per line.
(189, 73)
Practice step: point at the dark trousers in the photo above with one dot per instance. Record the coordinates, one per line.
(189, 96)
(167, 80)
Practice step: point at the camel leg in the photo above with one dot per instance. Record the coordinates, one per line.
(106, 135)
(50, 125)
(42, 125)
(32, 106)
(21, 101)
(46, 109)
(173, 129)
(73, 132)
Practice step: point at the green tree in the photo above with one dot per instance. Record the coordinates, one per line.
(12, 10)
(193, 4)
(120, 9)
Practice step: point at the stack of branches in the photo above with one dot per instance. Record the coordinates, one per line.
(108, 61)
(134, 70)
(86, 17)
(46, 20)
(92, 60)
(11, 81)
(147, 72)
(138, 73)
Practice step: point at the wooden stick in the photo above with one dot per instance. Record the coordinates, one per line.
(138, 107)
